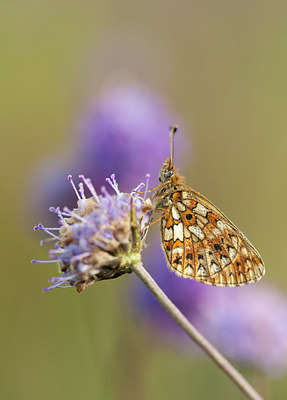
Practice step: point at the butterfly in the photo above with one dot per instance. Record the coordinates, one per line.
(198, 240)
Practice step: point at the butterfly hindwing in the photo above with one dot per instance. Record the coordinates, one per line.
(202, 244)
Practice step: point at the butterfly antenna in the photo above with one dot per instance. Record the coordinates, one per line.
(172, 131)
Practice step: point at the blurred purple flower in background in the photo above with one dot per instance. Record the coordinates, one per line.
(125, 131)
(248, 324)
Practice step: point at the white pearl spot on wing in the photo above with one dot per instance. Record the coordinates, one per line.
(168, 233)
(201, 271)
(188, 271)
(202, 219)
(187, 234)
(232, 252)
(251, 275)
(234, 241)
(214, 267)
(244, 251)
(225, 260)
(220, 225)
(186, 202)
(178, 232)
(196, 231)
(175, 213)
(178, 250)
(186, 195)
(200, 209)
(216, 232)
(181, 206)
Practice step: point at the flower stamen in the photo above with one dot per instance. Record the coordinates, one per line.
(138, 188)
(70, 179)
(81, 190)
(58, 212)
(46, 230)
(113, 183)
(90, 186)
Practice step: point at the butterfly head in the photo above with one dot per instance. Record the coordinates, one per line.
(167, 171)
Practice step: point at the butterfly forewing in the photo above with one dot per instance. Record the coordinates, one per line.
(202, 244)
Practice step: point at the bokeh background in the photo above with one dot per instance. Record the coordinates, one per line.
(221, 69)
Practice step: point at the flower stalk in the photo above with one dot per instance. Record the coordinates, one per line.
(194, 334)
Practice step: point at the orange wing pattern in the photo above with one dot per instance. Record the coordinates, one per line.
(202, 244)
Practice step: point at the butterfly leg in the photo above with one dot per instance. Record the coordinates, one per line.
(153, 189)
(154, 220)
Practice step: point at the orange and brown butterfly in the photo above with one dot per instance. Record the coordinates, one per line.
(199, 241)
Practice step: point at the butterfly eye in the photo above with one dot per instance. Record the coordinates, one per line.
(168, 174)
(165, 175)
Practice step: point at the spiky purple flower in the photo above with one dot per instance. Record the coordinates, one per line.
(95, 241)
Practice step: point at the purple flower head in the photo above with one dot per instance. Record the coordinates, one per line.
(125, 129)
(95, 241)
(248, 324)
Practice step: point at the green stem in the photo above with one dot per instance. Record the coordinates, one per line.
(194, 334)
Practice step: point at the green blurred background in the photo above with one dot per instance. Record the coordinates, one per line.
(222, 65)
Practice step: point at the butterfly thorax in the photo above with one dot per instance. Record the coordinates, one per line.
(171, 183)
